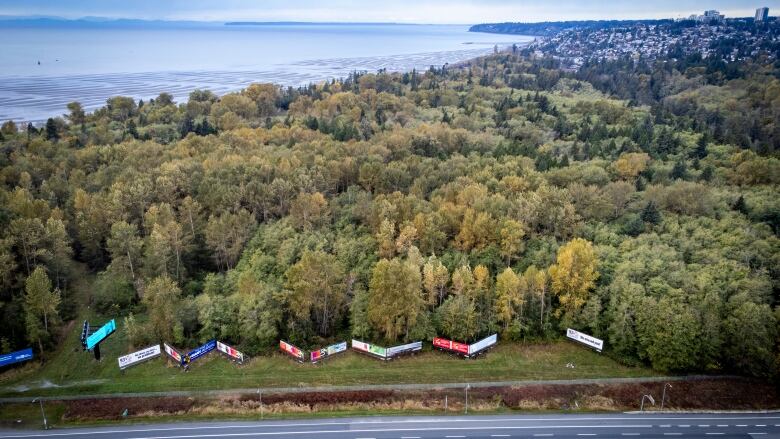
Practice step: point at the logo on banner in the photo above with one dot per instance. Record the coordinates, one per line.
(138, 356)
(200, 351)
(230, 352)
(291, 350)
(450, 345)
(16, 357)
(328, 351)
(173, 353)
(588, 340)
(101, 334)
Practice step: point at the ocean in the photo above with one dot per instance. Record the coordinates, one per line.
(42, 68)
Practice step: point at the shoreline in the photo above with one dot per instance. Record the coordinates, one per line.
(33, 99)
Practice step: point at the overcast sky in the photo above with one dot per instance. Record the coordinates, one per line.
(406, 11)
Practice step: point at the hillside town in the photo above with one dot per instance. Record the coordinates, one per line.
(709, 34)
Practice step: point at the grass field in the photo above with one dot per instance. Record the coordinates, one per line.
(73, 371)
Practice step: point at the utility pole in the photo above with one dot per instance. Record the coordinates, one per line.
(663, 396)
(43, 414)
(260, 396)
(467, 399)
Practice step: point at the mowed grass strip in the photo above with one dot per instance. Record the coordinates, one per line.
(73, 371)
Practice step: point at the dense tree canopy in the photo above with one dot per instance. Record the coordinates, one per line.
(503, 195)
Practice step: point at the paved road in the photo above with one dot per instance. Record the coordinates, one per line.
(624, 426)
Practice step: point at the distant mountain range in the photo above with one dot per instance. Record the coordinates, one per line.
(33, 21)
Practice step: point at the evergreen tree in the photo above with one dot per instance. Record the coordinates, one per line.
(740, 205)
(651, 214)
(679, 171)
(51, 130)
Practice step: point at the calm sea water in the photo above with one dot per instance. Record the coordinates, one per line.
(91, 63)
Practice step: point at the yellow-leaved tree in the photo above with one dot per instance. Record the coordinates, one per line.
(573, 276)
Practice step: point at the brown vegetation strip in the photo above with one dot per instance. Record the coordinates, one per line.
(716, 394)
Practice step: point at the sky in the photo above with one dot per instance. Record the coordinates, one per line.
(397, 11)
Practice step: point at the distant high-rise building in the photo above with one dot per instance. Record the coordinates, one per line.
(762, 14)
(710, 16)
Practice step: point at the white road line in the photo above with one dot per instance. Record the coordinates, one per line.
(90, 432)
(741, 425)
(499, 435)
(629, 434)
(704, 425)
(712, 434)
(454, 436)
(665, 425)
(672, 434)
(410, 437)
(684, 425)
(722, 425)
(586, 434)
(752, 434)
(760, 425)
(543, 434)
(372, 430)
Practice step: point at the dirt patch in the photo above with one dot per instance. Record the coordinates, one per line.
(113, 408)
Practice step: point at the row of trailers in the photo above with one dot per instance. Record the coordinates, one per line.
(91, 339)
(463, 350)
(390, 353)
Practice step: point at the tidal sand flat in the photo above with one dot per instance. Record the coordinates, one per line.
(92, 64)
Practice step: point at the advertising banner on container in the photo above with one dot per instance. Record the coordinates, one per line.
(409, 347)
(369, 348)
(101, 334)
(328, 351)
(16, 357)
(173, 353)
(377, 350)
(128, 360)
(200, 351)
(289, 349)
(443, 343)
(483, 344)
(360, 346)
(585, 339)
(230, 352)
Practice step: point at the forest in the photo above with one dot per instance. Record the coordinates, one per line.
(637, 203)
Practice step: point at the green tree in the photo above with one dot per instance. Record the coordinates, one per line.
(52, 133)
(458, 318)
(125, 247)
(508, 297)
(668, 333)
(226, 234)
(76, 115)
(512, 234)
(395, 298)
(534, 284)
(751, 331)
(162, 297)
(651, 214)
(435, 279)
(318, 291)
(41, 305)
